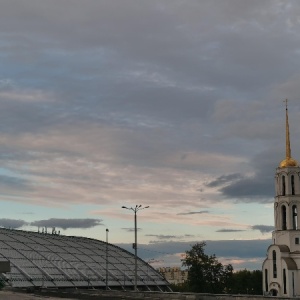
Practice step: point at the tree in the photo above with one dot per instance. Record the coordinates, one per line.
(2, 284)
(247, 282)
(206, 273)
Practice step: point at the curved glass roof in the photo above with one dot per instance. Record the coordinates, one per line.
(50, 260)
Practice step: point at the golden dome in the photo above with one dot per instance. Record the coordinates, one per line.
(288, 162)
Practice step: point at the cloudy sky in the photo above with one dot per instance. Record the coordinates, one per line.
(173, 104)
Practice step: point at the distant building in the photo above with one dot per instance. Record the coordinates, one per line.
(281, 268)
(174, 275)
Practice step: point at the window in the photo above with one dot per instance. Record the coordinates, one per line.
(293, 283)
(266, 280)
(293, 184)
(283, 185)
(294, 215)
(297, 241)
(274, 264)
(283, 214)
(284, 281)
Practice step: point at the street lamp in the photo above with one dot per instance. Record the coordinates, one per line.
(106, 279)
(135, 210)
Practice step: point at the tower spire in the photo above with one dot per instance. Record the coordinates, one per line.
(287, 132)
(288, 161)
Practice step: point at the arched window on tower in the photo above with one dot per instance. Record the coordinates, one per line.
(274, 264)
(283, 214)
(266, 280)
(283, 185)
(293, 283)
(294, 213)
(293, 184)
(284, 281)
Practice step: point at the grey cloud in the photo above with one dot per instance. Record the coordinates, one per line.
(165, 103)
(194, 213)
(260, 186)
(225, 179)
(244, 248)
(229, 230)
(155, 56)
(121, 33)
(131, 229)
(19, 117)
(251, 189)
(14, 182)
(189, 235)
(256, 188)
(263, 228)
(162, 79)
(68, 223)
(11, 223)
(240, 249)
(163, 238)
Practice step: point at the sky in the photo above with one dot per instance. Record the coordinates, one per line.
(176, 105)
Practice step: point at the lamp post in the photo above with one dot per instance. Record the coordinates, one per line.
(106, 279)
(135, 210)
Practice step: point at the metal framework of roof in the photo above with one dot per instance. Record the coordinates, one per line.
(58, 261)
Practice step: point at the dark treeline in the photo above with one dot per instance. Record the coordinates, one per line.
(208, 275)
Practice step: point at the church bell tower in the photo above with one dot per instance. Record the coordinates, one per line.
(281, 268)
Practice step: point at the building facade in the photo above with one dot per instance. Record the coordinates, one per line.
(281, 268)
(174, 275)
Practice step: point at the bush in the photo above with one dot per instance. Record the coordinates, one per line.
(2, 284)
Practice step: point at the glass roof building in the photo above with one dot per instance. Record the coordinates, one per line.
(57, 261)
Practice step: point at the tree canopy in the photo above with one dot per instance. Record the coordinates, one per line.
(246, 282)
(206, 273)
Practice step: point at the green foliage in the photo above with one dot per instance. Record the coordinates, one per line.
(181, 288)
(246, 282)
(206, 273)
(2, 284)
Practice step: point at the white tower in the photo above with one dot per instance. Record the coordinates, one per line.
(281, 268)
